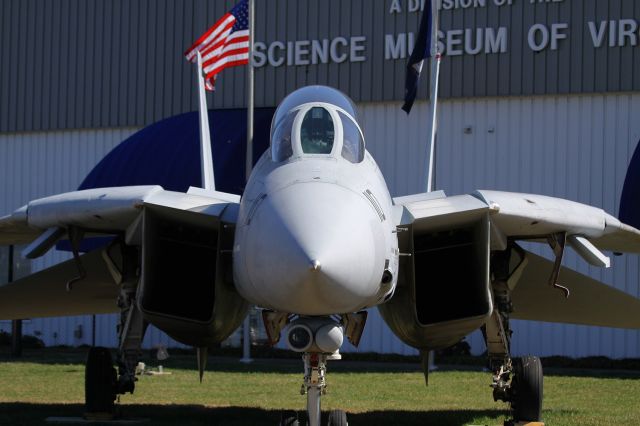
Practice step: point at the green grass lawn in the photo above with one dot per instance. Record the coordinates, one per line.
(51, 383)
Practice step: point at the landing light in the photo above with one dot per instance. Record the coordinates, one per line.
(299, 338)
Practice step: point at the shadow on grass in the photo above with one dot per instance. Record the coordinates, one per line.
(231, 364)
(35, 414)
(227, 364)
(595, 374)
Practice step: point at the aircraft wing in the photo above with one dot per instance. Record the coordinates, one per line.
(103, 211)
(520, 216)
(44, 293)
(439, 224)
(590, 302)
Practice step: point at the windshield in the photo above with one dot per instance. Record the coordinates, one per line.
(281, 147)
(317, 132)
(353, 144)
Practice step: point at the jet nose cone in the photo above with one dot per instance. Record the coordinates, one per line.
(315, 265)
(317, 249)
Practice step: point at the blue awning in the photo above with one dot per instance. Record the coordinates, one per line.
(630, 198)
(167, 153)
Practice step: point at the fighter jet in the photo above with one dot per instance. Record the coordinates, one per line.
(315, 240)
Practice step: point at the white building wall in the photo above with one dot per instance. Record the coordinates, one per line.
(576, 147)
(35, 165)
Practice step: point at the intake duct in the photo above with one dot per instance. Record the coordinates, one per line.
(186, 287)
(443, 291)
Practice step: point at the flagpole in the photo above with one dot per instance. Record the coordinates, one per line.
(435, 77)
(249, 159)
(246, 335)
(206, 160)
(435, 72)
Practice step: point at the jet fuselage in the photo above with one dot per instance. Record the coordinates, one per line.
(315, 234)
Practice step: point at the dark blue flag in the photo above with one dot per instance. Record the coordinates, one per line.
(421, 50)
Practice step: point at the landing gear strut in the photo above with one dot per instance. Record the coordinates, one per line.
(518, 381)
(314, 386)
(315, 369)
(102, 382)
(319, 339)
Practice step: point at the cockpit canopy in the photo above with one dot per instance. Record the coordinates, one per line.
(316, 120)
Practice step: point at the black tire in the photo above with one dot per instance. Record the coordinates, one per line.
(99, 382)
(289, 418)
(337, 418)
(527, 385)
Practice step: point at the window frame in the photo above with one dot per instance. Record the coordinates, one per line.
(335, 112)
(297, 126)
(363, 144)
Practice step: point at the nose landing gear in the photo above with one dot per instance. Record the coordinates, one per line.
(314, 385)
(319, 340)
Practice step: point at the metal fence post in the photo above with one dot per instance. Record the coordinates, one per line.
(16, 325)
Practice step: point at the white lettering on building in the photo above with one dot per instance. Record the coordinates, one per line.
(495, 42)
(619, 33)
(454, 42)
(540, 37)
(308, 52)
(395, 7)
(459, 4)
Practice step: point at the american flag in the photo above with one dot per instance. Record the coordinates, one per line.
(225, 44)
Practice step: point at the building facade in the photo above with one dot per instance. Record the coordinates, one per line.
(536, 96)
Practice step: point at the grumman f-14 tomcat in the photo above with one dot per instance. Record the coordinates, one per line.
(315, 240)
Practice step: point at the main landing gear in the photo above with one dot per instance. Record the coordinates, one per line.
(102, 382)
(99, 384)
(518, 381)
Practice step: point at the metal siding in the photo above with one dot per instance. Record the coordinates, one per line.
(35, 165)
(5, 45)
(84, 64)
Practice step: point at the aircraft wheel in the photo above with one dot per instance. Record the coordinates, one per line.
(99, 382)
(527, 385)
(337, 418)
(289, 418)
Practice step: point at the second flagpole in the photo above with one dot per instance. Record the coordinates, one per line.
(435, 76)
(246, 335)
(249, 158)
